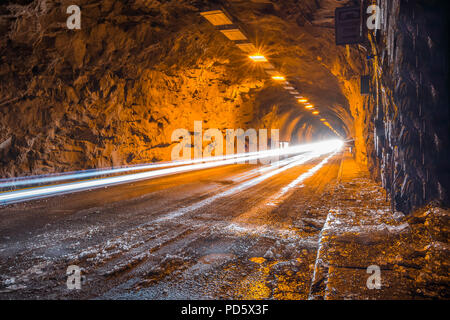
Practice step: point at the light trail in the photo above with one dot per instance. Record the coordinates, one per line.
(303, 177)
(40, 192)
(85, 174)
(298, 161)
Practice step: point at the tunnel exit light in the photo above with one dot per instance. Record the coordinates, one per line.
(258, 58)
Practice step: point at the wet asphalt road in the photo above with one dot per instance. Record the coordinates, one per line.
(230, 232)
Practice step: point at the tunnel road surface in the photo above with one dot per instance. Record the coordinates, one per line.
(239, 231)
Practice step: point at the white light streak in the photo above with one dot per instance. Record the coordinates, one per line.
(304, 176)
(298, 161)
(182, 166)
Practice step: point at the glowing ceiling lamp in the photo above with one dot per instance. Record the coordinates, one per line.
(302, 100)
(315, 112)
(323, 119)
(309, 106)
(258, 58)
(278, 78)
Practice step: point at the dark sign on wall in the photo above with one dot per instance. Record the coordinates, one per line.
(348, 25)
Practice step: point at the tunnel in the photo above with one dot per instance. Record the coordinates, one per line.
(92, 85)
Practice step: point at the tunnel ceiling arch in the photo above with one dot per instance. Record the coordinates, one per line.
(301, 43)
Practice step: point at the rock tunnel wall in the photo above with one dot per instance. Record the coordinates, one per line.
(409, 103)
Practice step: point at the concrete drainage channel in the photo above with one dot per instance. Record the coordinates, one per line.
(319, 277)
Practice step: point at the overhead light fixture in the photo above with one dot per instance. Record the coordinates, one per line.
(234, 34)
(267, 65)
(322, 119)
(278, 78)
(302, 100)
(315, 112)
(258, 58)
(271, 72)
(217, 17)
(309, 106)
(289, 88)
(247, 47)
